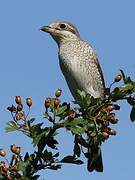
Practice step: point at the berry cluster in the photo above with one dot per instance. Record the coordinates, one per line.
(56, 100)
(18, 114)
(10, 170)
(109, 118)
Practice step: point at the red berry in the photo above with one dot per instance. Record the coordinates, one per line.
(15, 149)
(113, 132)
(19, 107)
(118, 78)
(18, 100)
(71, 113)
(105, 135)
(8, 177)
(107, 130)
(29, 102)
(114, 121)
(110, 108)
(2, 153)
(47, 102)
(5, 168)
(58, 93)
(56, 102)
(19, 115)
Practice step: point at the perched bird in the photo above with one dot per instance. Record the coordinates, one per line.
(81, 69)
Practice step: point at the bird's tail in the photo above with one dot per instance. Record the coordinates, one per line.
(94, 159)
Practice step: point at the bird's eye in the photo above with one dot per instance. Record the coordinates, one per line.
(62, 26)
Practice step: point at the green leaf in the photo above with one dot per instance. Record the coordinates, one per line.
(127, 89)
(37, 138)
(116, 94)
(132, 114)
(76, 126)
(38, 134)
(47, 156)
(11, 126)
(52, 143)
(1, 177)
(72, 160)
(81, 98)
(77, 130)
(26, 157)
(86, 100)
(126, 79)
(61, 110)
(123, 75)
(22, 165)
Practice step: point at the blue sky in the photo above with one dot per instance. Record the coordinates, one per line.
(29, 67)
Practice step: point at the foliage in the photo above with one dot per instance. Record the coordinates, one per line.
(89, 121)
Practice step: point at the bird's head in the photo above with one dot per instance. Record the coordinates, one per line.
(61, 31)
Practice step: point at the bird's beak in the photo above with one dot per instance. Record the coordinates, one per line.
(46, 29)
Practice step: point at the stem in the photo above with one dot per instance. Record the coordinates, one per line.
(7, 161)
(96, 128)
(54, 116)
(25, 117)
(111, 84)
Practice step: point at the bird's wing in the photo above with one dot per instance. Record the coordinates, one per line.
(96, 74)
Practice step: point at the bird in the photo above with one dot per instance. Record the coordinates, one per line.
(80, 66)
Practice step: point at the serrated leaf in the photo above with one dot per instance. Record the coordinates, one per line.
(80, 93)
(128, 88)
(81, 98)
(47, 156)
(61, 110)
(132, 114)
(77, 130)
(76, 126)
(21, 165)
(11, 126)
(116, 94)
(39, 134)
